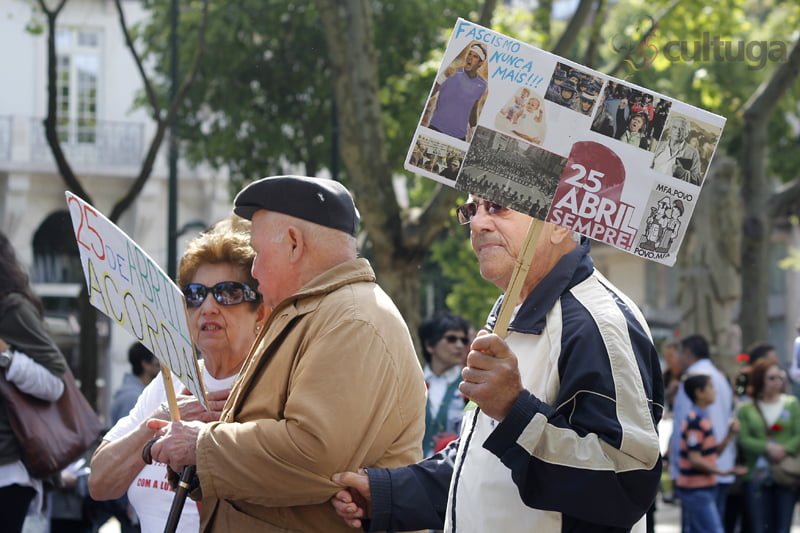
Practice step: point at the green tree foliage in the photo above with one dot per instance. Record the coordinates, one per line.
(683, 60)
(469, 294)
(262, 102)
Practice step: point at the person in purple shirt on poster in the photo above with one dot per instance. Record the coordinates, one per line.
(459, 95)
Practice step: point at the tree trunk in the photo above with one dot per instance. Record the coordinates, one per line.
(756, 230)
(709, 261)
(88, 347)
(756, 193)
(570, 35)
(401, 279)
(399, 239)
(88, 314)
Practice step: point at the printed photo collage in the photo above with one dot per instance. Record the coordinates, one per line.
(531, 131)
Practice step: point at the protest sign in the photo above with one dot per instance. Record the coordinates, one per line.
(563, 143)
(128, 286)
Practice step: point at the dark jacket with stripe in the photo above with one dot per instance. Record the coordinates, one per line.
(578, 450)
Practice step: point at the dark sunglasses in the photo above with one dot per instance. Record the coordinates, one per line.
(224, 292)
(452, 339)
(470, 209)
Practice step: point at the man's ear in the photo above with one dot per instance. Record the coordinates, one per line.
(297, 242)
(560, 234)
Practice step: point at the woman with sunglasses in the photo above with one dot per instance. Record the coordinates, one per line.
(225, 314)
(445, 343)
(769, 431)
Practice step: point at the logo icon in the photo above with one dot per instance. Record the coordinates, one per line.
(638, 55)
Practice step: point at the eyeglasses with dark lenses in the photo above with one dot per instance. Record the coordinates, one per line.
(224, 292)
(470, 209)
(776, 377)
(452, 339)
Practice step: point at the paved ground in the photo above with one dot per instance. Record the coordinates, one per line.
(668, 520)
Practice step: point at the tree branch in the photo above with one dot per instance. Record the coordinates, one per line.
(163, 123)
(487, 12)
(759, 106)
(50, 121)
(590, 57)
(148, 87)
(656, 21)
(570, 34)
(541, 19)
(432, 217)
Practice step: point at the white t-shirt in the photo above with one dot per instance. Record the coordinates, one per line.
(149, 493)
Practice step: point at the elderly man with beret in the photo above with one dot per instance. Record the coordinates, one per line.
(332, 382)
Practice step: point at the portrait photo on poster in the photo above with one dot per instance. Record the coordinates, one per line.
(631, 115)
(685, 148)
(511, 172)
(574, 88)
(459, 93)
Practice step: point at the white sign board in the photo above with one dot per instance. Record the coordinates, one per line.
(128, 286)
(564, 143)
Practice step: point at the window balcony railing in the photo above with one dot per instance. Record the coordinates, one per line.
(104, 143)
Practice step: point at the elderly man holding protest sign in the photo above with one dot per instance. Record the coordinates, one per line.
(565, 435)
(331, 384)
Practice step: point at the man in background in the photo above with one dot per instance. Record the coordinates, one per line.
(144, 367)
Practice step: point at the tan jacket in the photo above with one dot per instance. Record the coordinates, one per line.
(331, 384)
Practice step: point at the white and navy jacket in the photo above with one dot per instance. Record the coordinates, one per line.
(577, 452)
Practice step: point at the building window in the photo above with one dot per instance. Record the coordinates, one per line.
(78, 66)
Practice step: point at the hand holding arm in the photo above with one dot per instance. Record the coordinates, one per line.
(352, 503)
(191, 408)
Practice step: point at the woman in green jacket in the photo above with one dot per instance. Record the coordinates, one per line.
(769, 431)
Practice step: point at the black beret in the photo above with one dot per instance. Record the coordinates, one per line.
(321, 201)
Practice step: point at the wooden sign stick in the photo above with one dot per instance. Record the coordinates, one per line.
(518, 276)
(172, 400)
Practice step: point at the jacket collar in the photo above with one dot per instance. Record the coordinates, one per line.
(353, 271)
(570, 270)
(303, 301)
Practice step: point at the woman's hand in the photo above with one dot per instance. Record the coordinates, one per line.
(192, 409)
(775, 452)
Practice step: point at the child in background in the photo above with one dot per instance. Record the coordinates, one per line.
(697, 480)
